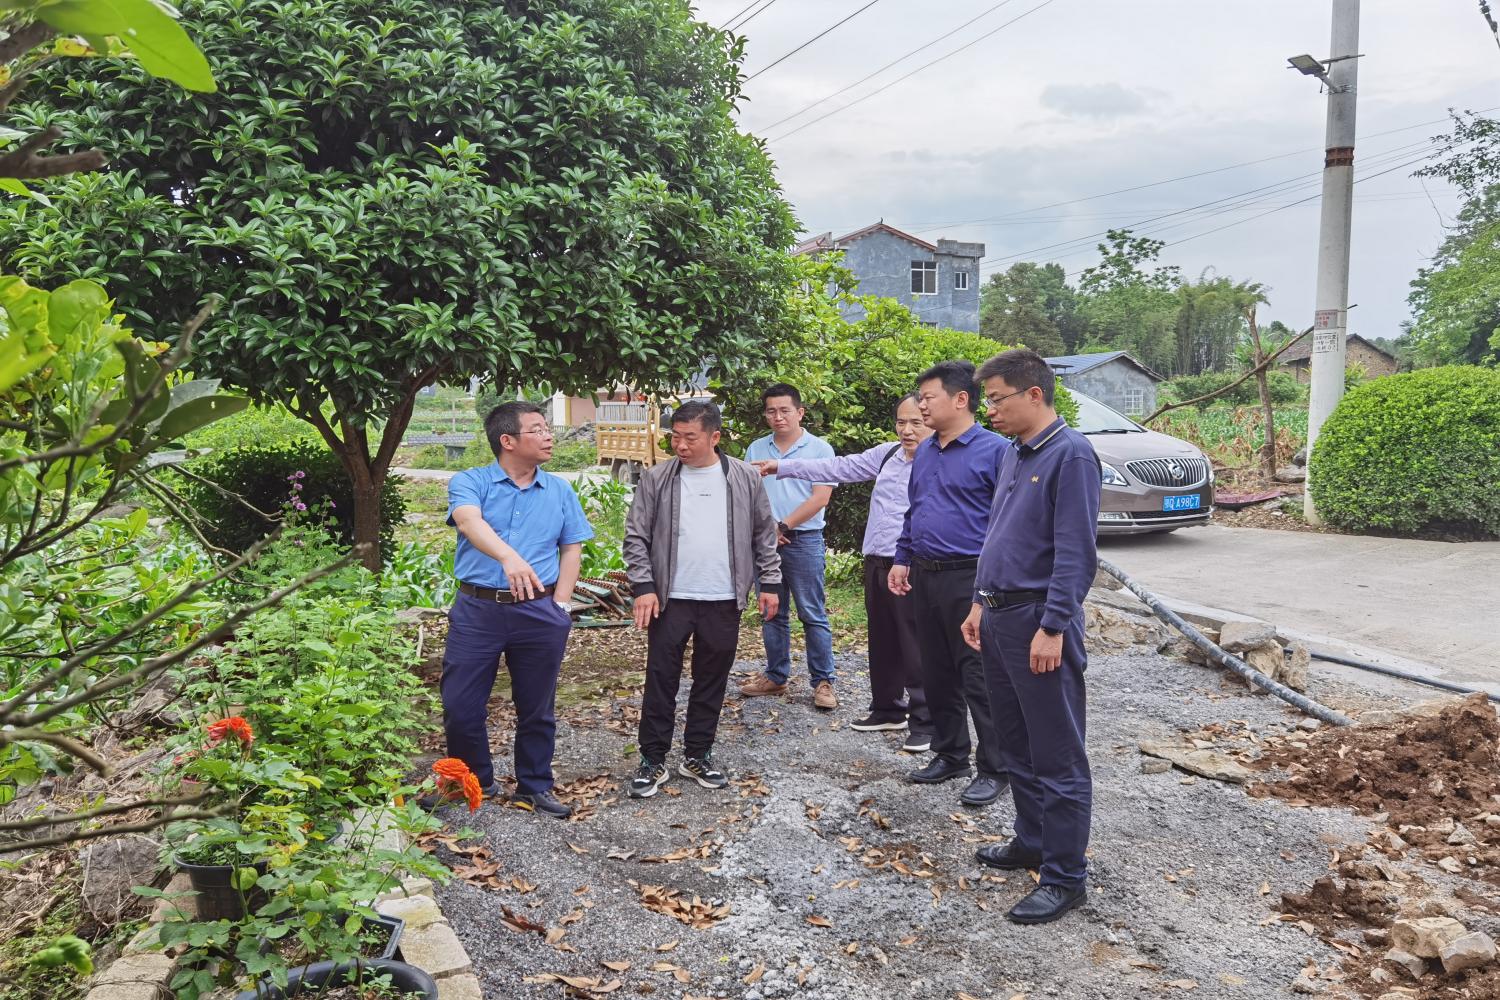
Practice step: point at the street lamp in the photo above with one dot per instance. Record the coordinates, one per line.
(1308, 66)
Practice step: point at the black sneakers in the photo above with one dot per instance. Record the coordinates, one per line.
(647, 779)
(876, 723)
(702, 770)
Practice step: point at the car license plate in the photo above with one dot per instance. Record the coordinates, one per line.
(1190, 502)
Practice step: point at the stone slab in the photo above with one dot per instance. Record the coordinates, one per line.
(150, 969)
(436, 950)
(464, 987)
(417, 911)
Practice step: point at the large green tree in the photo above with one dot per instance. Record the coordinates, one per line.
(396, 193)
(1456, 302)
(1130, 303)
(1032, 304)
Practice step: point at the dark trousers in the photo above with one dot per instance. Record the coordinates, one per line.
(952, 676)
(714, 628)
(532, 636)
(1042, 722)
(895, 658)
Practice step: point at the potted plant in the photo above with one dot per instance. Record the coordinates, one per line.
(383, 978)
(257, 793)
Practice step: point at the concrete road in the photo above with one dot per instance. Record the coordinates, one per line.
(1434, 605)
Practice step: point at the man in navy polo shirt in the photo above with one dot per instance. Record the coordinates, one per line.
(952, 484)
(1027, 622)
(520, 544)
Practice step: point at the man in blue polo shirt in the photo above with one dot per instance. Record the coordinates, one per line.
(798, 508)
(1035, 569)
(952, 484)
(520, 544)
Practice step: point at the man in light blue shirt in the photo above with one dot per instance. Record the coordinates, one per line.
(798, 508)
(520, 546)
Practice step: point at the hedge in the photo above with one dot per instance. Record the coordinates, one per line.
(258, 473)
(1411, 453)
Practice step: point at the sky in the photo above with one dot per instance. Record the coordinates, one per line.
(1078, 98)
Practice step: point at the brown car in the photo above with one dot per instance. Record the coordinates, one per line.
(1152, 482)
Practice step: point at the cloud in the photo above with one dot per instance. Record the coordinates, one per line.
(1093, 100)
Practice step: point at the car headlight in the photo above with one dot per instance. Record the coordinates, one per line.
(1110, 476)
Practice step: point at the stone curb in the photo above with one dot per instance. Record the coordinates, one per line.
(142, 972)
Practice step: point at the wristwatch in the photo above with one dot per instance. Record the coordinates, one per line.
(565, 605)
(1052, 632)
(781, 526)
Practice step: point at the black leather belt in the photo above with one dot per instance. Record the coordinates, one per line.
(1010, 598)
(498, 596)
(939, 566)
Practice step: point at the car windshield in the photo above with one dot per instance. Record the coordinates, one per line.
(1096, 418)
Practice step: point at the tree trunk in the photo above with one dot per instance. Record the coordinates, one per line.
(1263, 383)
(367, 474)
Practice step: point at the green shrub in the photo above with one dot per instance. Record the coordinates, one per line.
(1285, 389)
(258, 424)
(1406, 453)
(259, 473)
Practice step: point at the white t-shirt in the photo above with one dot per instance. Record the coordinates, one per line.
(702, 570)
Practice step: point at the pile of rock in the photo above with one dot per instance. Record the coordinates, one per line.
(1429, 944)
(1109, 629)
(1257, 644)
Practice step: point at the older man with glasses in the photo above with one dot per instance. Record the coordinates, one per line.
(520, 545)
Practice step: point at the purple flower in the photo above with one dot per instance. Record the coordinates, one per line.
(300, 474)
(330, 505)
(297, 486)
(300, 505)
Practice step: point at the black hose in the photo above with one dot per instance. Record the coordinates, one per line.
(1250, 674)
(1376, 668)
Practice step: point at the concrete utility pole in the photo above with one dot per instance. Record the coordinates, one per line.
(1331, 320)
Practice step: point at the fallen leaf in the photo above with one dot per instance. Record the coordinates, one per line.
(663, 967)
(819, 921)
(668, 946)
(555, 934)
(575, 848)
(1230, 979)
(682, 975)
(616, 966)
(907, 942)
(755, 974)
(571, 917)
(1182, 984)
(1265, 888)
(516, 922)
(1142, 963)
(851, 947)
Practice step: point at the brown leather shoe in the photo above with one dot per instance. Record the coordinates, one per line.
(759, 685)
(823, 696)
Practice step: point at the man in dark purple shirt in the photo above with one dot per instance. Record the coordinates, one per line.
(952, 484)
(1027, 622)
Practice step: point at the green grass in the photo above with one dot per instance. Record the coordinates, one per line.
(19, 980)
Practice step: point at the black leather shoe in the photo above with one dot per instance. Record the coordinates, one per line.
(937, 771)
(983, 790)
(542, 802)
(1008, 856)
(1046, 903)
(435, 801)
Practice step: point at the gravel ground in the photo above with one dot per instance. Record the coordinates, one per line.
(1178, 874)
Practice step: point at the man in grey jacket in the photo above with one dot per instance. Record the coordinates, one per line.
(699, 535)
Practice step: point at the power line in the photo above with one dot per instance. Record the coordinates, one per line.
(1234, 202)
(1174, 180)
(736, 17)
(814, 38)
(882, 69)
(765, 6)
(908, 76)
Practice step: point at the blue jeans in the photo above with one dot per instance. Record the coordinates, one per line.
(802, 581)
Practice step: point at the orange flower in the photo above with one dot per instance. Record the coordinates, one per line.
(451, 768)
(472, 792)
(456, 781)
(234, 724)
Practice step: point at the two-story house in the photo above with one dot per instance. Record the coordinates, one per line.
(939, 282)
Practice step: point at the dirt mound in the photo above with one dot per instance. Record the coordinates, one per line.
(1420, 771)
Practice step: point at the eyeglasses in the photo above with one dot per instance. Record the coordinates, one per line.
(541, 432)
(785, 411)
(997, 400)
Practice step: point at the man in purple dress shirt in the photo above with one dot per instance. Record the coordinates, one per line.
(896, 698)
(952, 483)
